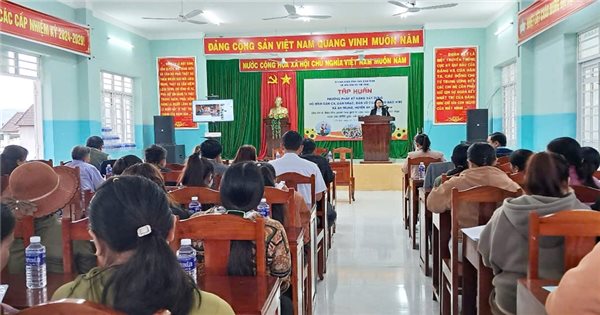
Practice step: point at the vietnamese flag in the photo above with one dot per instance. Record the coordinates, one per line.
(276, 84)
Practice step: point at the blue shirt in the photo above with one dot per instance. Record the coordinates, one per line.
(503, 151)
(89, 175)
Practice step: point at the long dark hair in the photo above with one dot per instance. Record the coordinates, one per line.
(375, 103)
(546, 174)
(590, 164)
(10, 157)
(124, 162)
(423, 140)
(277, 210)
(197, 171)
(152, 278)
(571, 150)
(481, 154)
(245, 153)
(459, 158)
(242, 188)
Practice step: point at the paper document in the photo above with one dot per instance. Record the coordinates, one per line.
(474, 232)
(550, 288)
(3, 289)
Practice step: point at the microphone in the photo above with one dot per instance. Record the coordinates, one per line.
(385, 106)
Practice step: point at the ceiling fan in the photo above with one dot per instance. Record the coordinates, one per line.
(181, 17)
(411, 6)
(293, 15)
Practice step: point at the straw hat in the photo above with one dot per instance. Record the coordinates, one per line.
(49, 189)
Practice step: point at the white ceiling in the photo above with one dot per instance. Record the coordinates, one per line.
(245, 17)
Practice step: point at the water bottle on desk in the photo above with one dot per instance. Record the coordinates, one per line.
(194, 206)
(329, 157)
(35, 264)
(263, 208)
(421, 170)
(186, 255)
(109, 171)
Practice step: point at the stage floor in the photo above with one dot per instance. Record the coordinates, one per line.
(378, 177)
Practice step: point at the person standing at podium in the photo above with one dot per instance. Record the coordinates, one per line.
(380, 109)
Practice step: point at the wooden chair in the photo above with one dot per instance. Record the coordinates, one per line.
(281, 152)
(487, 198)
(72, 231)
(184, 195)
(175, 166)
(344, 170)
(47, 162)
(518, 178)
(217, 181)
(3, 182)
(321, 151)
(172, 177)
(285, 198)
(216, 233)
(87, 196)
(24, 229)
(72, 306)
(505, 167)
(292, 180)
(412, 163)
(75, 209)
(503, 160)
(332, 200)
(63, 163)
(580, 229)
(586, 194)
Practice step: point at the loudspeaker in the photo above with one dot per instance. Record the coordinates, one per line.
(164, 130)
(477, 125)
(175, 153)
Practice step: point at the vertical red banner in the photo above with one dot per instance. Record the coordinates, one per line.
(455, 84)
(177, 89)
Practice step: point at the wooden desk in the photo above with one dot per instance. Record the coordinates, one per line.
(531, 297)
(296, 239)
(440, 237)
(413, 196)
(477, 280)
(424, 231)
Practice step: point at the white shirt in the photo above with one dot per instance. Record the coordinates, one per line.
(292, 163)
(379, 111)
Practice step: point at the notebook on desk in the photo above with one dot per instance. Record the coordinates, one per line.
(473, 232)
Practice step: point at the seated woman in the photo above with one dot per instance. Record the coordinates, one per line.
(124, 162)
(423, 149)
(571, 150)
(459, 159)
(7, 232)
(589, 165)
(503, 243)
(152, 173)
(138, 273)
(242, 188)
(519, 158)
(278, 212)
(11, 157)
(246, 153)
(198, 172)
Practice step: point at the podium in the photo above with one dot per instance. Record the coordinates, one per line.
(274, 143)
(376, 134)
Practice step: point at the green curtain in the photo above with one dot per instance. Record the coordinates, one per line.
(225, 80)
(398, 149)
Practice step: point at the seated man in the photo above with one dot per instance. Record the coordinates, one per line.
(89, 175)
(308, 150)
(290, 162)
(211, 150)
(498, 141)
(96, 144)
(157, 156)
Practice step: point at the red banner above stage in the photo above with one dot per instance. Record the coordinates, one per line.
(303, 43)
(542, 14)
(455, 84)
(177, 89)
(325, 63)
(19, 21)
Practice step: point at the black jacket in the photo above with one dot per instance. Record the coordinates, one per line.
(323, 165)
(384, 112)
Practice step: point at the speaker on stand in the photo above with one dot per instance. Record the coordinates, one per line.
(477, 125)
(164, 135)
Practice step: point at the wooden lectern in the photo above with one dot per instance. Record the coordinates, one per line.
(274, 143)
(376, 134)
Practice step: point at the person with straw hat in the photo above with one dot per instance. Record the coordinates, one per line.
(38, 190)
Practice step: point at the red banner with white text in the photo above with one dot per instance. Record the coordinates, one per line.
(177, 89)
(542, 14)
(303, 43)
(325, 63)
(19, 21)
(455, 84)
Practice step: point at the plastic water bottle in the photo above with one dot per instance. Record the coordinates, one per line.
(277, 155)
(35, 264)
(109, 172)
(186, 255)
(194, 205)
(263, 208)
(421, 170)
(329, 156)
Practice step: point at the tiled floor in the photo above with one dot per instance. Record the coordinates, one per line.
(371, 267)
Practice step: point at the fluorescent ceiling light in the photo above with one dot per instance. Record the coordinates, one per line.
(212, 18)
(503, 28)
(119, 42)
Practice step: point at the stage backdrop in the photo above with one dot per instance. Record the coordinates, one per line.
(225, 80)
(332, 106)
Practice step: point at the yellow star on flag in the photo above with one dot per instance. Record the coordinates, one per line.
(286, 79)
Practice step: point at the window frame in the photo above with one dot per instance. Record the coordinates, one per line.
(121, 107)
(510, 130)
(583, 63)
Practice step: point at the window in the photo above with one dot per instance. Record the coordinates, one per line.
(117, 110)
(19, 64)
(509, 101)
(589, 87)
